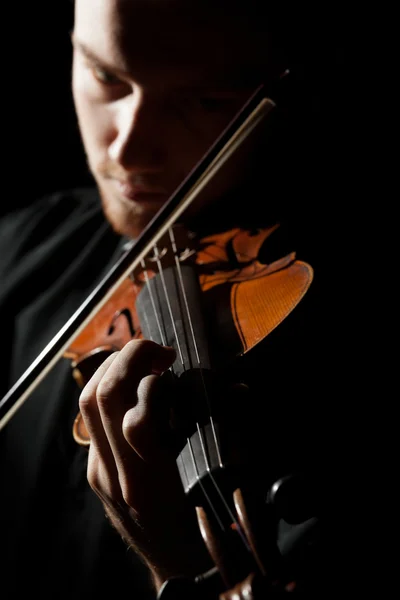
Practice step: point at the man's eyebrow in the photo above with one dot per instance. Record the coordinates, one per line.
(92, 56)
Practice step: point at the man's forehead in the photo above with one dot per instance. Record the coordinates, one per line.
(185, 36)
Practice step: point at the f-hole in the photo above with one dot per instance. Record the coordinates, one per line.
(126, 313)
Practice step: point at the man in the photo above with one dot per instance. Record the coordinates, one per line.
(154, 83)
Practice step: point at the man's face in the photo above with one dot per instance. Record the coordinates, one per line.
(154, 83)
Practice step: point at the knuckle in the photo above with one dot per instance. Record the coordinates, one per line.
(86, 399)
(108, 389)
(105, 390)
(142, 347)
(93, 479)
(92, 473)
(131, 426)
(127, 493)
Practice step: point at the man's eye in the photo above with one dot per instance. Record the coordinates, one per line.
(105, 77)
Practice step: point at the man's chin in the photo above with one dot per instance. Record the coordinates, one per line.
(127, 218)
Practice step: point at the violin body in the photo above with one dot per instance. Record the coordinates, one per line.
(256, 296)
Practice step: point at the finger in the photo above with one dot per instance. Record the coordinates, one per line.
(146, 426)
(99, 450)
(117, 393)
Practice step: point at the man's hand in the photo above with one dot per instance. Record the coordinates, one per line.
(131, 465)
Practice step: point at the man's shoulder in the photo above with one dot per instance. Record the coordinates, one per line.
(50, 216)
(60, 202)
(77, 197)
(50, 235)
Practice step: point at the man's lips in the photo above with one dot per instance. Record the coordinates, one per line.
(140, 193)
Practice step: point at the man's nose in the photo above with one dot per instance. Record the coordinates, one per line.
(138, 142)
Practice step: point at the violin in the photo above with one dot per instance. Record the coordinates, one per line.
(164, 302)
(165, 288)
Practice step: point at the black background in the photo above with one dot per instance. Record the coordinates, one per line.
(42, 151)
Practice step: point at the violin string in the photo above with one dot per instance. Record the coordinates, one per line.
(161, 272)
(179, 271)
(218, 489)
(200, 433)
(153, 304)
(146, 318)
(190, 321)
(147, 281)
(127, 246)
(202, 486)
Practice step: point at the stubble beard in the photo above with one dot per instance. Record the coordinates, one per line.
(125, 217)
